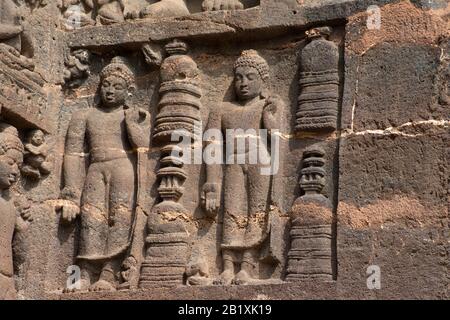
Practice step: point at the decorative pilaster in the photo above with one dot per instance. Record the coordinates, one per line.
(167, 243)
(178, 116)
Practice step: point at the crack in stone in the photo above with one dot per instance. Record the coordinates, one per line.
(396, 130)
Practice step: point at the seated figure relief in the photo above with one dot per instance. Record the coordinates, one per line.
(36, 163)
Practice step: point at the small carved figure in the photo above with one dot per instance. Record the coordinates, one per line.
(197, 274)
(11, 156)
(77, 66)
(36, 152)
(129, 268)
(215, 5)
(247, 190)
(153, 54)
(105, 198)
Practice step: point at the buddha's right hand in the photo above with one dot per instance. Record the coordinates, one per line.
(211, 198)
(69, 210)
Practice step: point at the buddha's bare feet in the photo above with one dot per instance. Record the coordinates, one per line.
(102, 285)
(225, 278)
(199, 281)
(83, 286)
(242, 278)
(215, 5)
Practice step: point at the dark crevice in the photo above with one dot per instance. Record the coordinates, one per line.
(334, 253)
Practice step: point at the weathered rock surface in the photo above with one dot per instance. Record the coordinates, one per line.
(97, 204)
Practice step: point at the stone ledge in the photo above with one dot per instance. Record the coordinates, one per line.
(306, 290)
(216, 25)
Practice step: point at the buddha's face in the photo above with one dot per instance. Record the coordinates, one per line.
(247, 82)
(9, 171)
(114, 91)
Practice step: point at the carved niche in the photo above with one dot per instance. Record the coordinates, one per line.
(232, 207)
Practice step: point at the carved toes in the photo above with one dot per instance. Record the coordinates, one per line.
(102, 285)
(215, 5)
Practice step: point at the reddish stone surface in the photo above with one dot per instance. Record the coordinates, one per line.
(91, 96)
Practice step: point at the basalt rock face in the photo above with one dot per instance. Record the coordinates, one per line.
(224, 149)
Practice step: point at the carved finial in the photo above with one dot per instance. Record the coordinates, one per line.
(251, 58)
(176, 47)
(317, 33)
(313, 173)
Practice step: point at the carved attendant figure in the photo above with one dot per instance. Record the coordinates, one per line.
(36, 152)
(11, 156)
(113, 131)
(77, 67)
(247, 190)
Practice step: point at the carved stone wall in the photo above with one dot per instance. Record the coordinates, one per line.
(110, 115)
